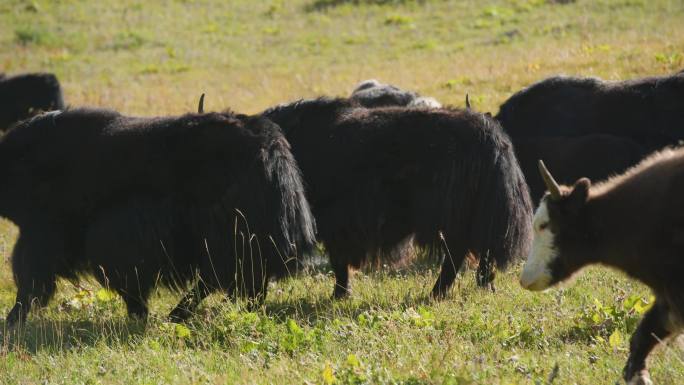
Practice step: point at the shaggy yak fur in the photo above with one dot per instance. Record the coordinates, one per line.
(378, 177)
(649, 111)
(633, 222)
(593, 156)
(213, 198)
(24, 95)
(372, 93)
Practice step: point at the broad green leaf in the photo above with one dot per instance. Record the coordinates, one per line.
(104, 295)
(182, 331)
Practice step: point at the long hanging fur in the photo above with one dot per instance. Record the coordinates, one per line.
(211, 198)
(378, 177)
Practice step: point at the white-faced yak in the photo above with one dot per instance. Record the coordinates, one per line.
(22, 96)
(215, 198)
(372, 93)
(377, 177)
(633, 222)
(649, 111)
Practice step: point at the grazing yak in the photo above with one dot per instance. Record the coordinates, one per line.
(215, 198)
(595, 156)
(24, 95)
(649, 111)
(377, 177)
(372, 93)
(633, 222)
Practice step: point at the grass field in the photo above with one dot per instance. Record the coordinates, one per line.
(156, 57)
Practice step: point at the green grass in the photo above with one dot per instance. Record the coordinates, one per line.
(157, 57)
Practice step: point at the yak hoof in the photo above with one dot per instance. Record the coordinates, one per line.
(340, 293)
(11, 330)
(641, 378)
(438, 293)
(179, 315)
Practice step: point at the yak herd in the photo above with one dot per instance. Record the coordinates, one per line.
(224, 201)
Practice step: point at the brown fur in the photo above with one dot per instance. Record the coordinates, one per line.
(635, 223)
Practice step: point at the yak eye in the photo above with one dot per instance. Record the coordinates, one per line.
(543, 226)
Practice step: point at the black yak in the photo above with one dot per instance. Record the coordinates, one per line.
(633, 222)
(377, 177)
(649, 111)
(594, 156)
(24, 95)
(372, 93)
(215, 198)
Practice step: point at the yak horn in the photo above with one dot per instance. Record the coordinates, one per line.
(200, 108)
(550, 183)
(467, 102)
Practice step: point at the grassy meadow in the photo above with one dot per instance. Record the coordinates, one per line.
(156, 57)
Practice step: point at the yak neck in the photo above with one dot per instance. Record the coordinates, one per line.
(616, 222)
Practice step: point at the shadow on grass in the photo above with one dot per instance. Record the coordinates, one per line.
(323, 5)
(315, 309)
(38, 336)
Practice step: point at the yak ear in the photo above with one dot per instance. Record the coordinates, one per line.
(579, 194)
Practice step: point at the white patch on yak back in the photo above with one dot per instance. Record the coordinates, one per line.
(425, 101)
(536, 274)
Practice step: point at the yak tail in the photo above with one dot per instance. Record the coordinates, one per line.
(505, 231)
(292, 215)
(274, 207)
(483, 200)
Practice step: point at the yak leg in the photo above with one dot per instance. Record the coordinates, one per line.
(650, 331)
(34, 278)
(453, 260)
(342, 259)
(136, 304)
(189, 303)
(486, 273)
(341, 282)
(38, 290)
(133, 286)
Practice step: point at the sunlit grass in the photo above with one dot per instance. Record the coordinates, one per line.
(389, 326)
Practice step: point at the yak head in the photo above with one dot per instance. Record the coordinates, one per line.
(561, 238)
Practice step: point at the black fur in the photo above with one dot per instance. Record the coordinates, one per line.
(649, 111)
(24, 95)
(136, 200)
(378, 177)
(594, 156)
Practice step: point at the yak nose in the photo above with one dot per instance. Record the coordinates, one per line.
(535, 282)
(525, 283)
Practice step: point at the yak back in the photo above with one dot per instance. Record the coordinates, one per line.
(372, 93)
(649, 110)
(596, 157)
(74, 163)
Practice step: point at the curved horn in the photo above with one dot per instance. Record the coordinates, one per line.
(467, 102)
(200, 108)
(550, 183)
